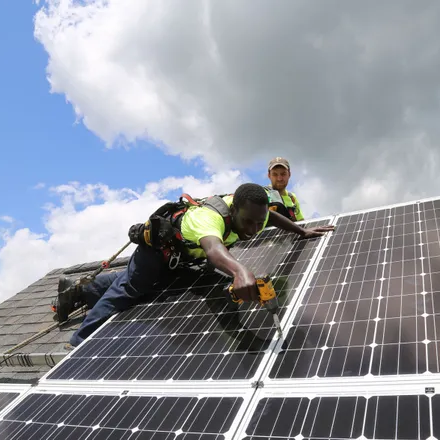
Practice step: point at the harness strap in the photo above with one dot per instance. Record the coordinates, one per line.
(190, 199)
(164, 226)
(215, 203)
(276, 203)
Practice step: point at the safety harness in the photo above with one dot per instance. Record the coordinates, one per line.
(163, 228)
(276, 203)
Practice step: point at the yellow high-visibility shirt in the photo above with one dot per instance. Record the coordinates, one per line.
(200, 221)
(288, 203)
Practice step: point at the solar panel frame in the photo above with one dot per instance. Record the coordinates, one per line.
(345, 381)
(198, 384)
(40, 410)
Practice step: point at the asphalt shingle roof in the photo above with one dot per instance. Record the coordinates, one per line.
(28, 312)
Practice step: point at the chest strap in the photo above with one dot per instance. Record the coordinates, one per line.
(215, 203)
(276, 203)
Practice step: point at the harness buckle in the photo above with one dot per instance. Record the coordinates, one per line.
(174, 260)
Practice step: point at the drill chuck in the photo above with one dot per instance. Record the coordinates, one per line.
(272, 305)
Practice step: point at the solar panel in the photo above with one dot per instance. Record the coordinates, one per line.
(79, 415)
(278, 415)
(188, 333)
(371, 305)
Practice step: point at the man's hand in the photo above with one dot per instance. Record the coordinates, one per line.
(245, 285)
(318, 231)
(281, 222)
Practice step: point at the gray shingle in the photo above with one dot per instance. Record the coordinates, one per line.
(11, 339)
(5, 312)
(46, 301)
(73, 269)
(31, 328)
(89, 267)
(55, 272)
(48, 293)
(10, 329)
(9, 304)
(33, 317)
(56, 347)
(11, 319)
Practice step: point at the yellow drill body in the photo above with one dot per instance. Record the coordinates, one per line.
(267, 297)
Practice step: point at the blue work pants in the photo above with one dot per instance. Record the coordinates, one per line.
(112, 293)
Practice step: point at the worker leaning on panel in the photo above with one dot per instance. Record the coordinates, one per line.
(281, 200)
(178, 232)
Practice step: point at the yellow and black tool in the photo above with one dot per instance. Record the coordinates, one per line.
(267, 298)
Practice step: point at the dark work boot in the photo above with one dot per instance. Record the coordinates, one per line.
(69, 298)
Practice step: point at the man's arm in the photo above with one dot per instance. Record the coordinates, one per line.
(244, 280)
(281, 222)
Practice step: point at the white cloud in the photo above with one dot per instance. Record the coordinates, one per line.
(39, 185)
(90, 223)
(6, 219)
(337, 87)
(312, 197)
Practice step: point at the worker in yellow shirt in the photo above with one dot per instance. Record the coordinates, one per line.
(175, 233)
(281, 200)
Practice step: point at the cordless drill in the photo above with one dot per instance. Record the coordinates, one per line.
(267, 297)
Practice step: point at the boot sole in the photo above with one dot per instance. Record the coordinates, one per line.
(62, 286)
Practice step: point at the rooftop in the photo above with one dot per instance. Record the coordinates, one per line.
(27, 313)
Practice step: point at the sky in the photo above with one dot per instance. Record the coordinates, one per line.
(110, 107)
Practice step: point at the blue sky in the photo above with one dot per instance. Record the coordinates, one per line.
(351, 135)
(41, 142)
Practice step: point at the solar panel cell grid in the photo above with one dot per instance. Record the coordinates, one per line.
(6, 399)
(371, 305)
(340, 418)
(190, 332)
(67, 416)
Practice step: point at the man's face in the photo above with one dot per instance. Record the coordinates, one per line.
(248, 220)
(279, 177)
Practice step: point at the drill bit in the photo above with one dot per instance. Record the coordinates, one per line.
(277, 323)
(272, 307)
(267, 298)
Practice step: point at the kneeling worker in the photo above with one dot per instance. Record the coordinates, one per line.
(203, 231)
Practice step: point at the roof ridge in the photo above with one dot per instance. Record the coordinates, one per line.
(87, 267)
